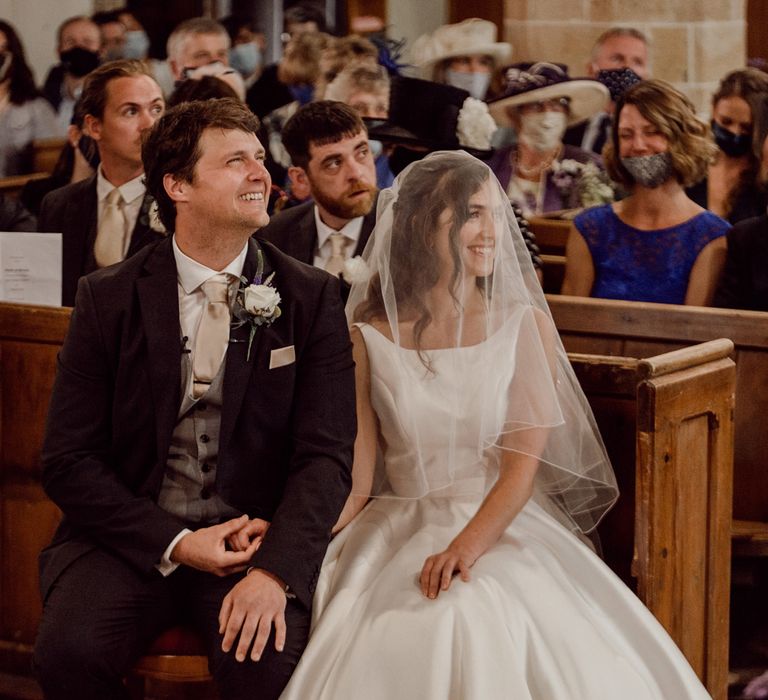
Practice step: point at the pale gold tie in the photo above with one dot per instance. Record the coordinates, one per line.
(335, 263)
(110, 240)
(212, 334)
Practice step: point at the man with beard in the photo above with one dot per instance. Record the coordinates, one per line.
(332, 160)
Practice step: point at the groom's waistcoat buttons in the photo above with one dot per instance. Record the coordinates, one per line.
(204, 438)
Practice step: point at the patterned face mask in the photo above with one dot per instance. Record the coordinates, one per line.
(649, 171)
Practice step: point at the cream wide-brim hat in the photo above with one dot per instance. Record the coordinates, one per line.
(586, 97)
(467, 38)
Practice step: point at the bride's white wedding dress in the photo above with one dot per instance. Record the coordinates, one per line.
(542, 616)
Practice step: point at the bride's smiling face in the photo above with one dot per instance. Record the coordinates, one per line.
(475, 243)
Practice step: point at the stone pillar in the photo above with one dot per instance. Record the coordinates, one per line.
(693, 43)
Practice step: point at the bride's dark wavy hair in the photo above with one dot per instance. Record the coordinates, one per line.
(428, 189)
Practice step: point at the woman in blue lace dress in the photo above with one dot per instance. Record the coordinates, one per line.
(657, 244)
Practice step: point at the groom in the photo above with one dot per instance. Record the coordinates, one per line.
(199, 439)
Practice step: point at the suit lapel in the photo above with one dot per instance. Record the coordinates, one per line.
(159, 302)
(84, 233)
(238, 369)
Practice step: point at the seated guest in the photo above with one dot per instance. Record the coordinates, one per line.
(108, 216)
(24, 114)
(539, 173)
(78, 160)
(113, 34)
(198, 89)
(248, 43)
(297, 72)
(655, 245)
(730, 189)
(619, 60)
(340, 53)
(465, 55)
(197, 42)
(79, 43)
(744, 283)
(366, 90)
(328, 145)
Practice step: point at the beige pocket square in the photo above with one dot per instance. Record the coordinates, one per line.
(282, 356)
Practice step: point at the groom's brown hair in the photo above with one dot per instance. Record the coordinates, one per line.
(173, 144)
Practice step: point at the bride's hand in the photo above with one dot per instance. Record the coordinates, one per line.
(438, 570)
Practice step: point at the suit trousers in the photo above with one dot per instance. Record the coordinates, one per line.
(102, 614)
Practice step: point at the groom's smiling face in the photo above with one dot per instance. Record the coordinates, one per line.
(230, 187)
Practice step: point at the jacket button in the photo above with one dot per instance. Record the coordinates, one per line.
(205, 494)
(204, 438)
(205, 468)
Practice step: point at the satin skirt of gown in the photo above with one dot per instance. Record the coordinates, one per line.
(541, 618)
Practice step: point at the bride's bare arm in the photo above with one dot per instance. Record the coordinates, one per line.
(504, 501)
(367, 430)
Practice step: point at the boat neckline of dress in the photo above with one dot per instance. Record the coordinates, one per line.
(495, 334)
(703, 212)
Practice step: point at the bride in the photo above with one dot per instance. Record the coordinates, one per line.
(462, 568)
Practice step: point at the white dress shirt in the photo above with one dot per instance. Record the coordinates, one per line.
(192, 300)
(351, 230)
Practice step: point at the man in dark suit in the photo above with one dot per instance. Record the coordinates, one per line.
(619, 59)
(200, 458)
(328, 145)
(107, 217)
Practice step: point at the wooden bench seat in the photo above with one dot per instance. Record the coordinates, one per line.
(667, 423)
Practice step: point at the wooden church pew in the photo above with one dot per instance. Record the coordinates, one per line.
(669, 532)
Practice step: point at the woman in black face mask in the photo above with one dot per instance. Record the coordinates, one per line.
(730, 188)
(656, 244)
(24, 114)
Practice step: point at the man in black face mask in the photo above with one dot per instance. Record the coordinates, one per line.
(619, 60)
(79, 43)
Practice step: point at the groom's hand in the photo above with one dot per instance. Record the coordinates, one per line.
(254, 529)
(251, 608)
(206, 549)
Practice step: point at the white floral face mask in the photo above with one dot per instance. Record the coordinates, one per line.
(542, 131)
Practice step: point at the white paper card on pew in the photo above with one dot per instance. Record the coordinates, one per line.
(30, 268)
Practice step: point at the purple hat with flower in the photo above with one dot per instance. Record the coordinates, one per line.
(525, 83)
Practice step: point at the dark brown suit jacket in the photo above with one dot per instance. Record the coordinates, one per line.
(294, 232)
(73, 212)
(287, 434)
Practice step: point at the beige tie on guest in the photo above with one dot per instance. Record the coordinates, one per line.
(110, 240)
(212, 334)
(335, 264)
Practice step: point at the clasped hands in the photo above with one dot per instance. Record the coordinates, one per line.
(257, 601)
